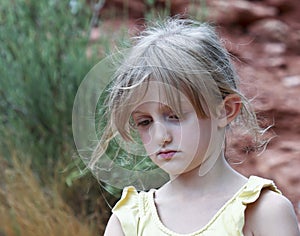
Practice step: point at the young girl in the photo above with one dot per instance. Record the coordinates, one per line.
(177, 90)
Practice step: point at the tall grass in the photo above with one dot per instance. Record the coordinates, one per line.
(28, 209)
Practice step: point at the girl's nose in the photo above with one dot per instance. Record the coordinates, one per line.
(160, 134)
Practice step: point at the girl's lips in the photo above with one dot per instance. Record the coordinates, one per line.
(167, 155)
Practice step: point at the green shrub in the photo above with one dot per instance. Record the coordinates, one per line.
(43, 60)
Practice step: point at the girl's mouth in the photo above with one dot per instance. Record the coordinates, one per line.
(167, 155)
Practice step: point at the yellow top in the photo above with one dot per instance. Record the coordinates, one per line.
(138, 216)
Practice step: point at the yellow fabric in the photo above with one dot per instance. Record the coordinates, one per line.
(138, 216)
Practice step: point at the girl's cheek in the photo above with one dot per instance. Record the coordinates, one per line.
(145, 137)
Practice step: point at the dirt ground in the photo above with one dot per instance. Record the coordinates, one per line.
(264, 38)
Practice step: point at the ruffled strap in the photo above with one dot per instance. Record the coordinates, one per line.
(127, 210)
(253, 189)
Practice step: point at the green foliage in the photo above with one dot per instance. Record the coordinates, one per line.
(199, 10)
(155, 12)
(43, 60)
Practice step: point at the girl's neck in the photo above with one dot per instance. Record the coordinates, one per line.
(220, 177)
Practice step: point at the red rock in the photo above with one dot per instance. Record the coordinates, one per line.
(239, 11)
(274, 48)
(291, 81)
(138, 8)
(272, 30)
(282, 5)
(293, 41)
(120, 8)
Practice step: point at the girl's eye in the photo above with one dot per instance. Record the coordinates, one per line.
(173, 117)
(144, 122)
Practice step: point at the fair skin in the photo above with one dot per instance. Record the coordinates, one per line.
(179, 145)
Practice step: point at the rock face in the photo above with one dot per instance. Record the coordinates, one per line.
(239, 12)
(270, 30)
(264, 37)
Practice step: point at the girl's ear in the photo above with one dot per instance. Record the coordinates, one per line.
(231, 107)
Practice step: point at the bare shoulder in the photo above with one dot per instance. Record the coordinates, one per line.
(272, 214)
(113, 227)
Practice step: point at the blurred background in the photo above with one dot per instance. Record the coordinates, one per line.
(48, 46)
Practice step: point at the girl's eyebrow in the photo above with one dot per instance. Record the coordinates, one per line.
(136, 112)
(162, 107)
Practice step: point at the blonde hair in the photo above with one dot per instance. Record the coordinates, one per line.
(182, 53)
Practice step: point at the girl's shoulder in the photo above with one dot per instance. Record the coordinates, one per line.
(267, 212)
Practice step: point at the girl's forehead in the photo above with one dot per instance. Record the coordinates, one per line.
(157, 91)
(165, 97)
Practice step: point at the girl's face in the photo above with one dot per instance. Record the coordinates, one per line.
(177, 144)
